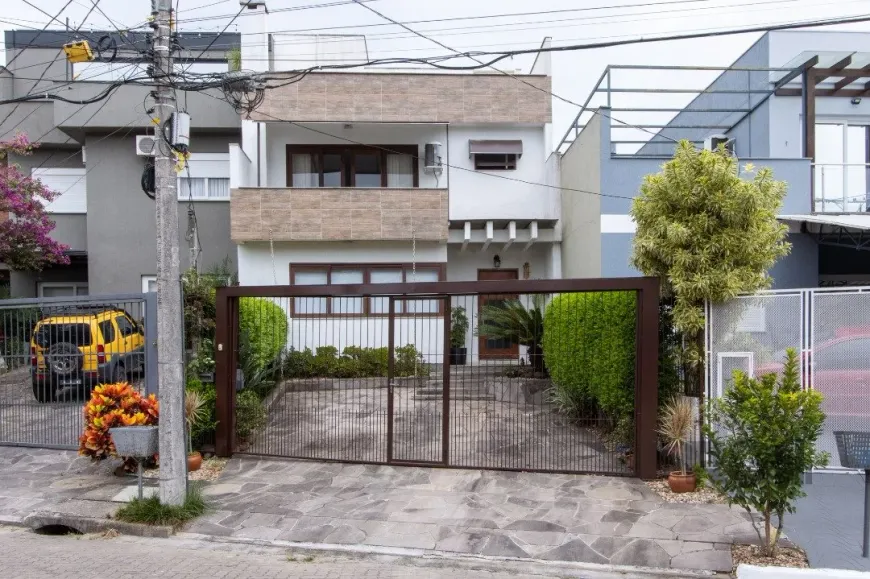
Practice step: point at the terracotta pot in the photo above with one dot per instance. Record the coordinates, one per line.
(682, 483)
(194, 461)
(629, 460)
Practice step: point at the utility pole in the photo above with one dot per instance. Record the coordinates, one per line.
(170, 365)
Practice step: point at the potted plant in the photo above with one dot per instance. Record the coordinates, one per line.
(458, 329)
(675, 428)
(513, 321)
(194, 413)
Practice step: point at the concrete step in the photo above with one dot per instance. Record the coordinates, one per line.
(454, 396)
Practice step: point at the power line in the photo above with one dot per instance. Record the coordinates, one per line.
(32, 40)
(213, 40)
(277, 10)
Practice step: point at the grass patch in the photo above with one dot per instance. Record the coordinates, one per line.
(151, 511)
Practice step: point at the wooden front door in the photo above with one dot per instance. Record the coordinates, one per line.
(496, 348)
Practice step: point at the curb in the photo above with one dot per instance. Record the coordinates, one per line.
(86, 525)
(423, 557)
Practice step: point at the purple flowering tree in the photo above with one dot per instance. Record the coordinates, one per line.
(24, 225)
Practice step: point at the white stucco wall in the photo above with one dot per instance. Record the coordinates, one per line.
(489, 195)
(279, 135)
(752, 572)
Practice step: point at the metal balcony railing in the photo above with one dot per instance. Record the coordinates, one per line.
(841, 187)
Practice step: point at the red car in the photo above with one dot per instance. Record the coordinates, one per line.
(840, 370)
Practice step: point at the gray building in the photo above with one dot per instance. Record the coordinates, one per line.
(92, 156)
(794, 102)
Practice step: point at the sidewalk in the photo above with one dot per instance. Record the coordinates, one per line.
(589, 519)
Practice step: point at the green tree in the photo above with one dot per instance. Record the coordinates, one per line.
(763, 435)
(708, 234)
(512, 321)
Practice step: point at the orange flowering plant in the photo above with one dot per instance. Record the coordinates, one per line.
(114, 405)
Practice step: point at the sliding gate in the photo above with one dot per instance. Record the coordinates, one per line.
(449, 374)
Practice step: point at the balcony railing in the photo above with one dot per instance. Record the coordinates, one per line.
(841, 187)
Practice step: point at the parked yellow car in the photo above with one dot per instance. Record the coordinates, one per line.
(79, 348)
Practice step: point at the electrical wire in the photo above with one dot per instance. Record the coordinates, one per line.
(277, 10)
(221, 33)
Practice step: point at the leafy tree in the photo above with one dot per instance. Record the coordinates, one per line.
(763, 436)
(708, 234)
(24, 225)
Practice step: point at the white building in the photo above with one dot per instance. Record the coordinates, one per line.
(380, 176)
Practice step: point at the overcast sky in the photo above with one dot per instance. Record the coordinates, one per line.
(568, 22)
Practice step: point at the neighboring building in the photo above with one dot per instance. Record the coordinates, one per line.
(794, 102)
(89, 154)
(368, 176)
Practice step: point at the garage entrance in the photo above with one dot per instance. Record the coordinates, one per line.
(402, 373)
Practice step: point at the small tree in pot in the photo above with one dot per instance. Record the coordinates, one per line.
(458, 330)
(675, 427)
(195, 412)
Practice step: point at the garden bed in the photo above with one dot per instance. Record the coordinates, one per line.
(704, 495)
(209, 471)
(789, 556)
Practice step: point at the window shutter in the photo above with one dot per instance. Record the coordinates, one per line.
(72, 186)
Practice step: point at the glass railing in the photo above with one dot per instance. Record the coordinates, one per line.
(841, 187)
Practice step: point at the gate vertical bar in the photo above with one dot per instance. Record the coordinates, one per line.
(225, 364)
(647, 379)
(445, 410)
(391, 353)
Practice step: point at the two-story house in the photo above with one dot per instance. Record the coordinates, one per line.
(795, 101)
(94, 156)
(389, 176)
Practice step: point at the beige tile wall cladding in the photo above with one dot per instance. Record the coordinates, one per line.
(415, 98)
(338, 214)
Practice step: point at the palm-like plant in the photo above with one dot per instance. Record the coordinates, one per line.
(194, 413)
(675, 426)
(512, 321)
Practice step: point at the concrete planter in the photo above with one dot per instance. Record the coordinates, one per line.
(135, 441)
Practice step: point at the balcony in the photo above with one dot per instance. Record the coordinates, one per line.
(840, 187)
(338, 214)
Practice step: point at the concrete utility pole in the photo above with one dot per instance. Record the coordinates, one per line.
(170, 364)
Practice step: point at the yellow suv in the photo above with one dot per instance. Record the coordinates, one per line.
(79, 348)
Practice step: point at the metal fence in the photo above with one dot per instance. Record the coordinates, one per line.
(830, 330)
(53, 351)
(442, 374)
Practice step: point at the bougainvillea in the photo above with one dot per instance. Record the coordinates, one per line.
(25, 243)
(113, 405)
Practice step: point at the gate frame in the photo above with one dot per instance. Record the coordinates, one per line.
(646, 341)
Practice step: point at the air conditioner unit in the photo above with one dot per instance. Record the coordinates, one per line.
(712, 143)
(146, 146)
(432, 158)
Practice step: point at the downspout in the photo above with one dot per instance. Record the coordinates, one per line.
(258, 155)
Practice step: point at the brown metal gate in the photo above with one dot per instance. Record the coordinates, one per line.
(384, 374)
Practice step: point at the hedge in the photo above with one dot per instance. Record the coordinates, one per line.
(589, 349)
(354, 362)
(265, 324)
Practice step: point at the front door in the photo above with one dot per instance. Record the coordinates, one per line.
(489, 347)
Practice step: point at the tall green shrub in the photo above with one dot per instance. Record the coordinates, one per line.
(589, 349)
(265, 324)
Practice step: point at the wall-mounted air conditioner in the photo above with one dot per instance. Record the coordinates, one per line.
(146, 146)
(432, 158)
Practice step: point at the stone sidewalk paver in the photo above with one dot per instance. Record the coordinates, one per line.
(592, 519)
(29, 556)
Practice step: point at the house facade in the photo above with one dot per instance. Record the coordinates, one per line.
(91, 156)
(392, 176)
(794, 102)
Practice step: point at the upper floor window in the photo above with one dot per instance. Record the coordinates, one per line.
(340, 166)
(495, 155)
(206, 178)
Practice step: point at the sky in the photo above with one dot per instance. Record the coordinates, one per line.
(565, 21)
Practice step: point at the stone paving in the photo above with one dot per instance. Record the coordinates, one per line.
(589, 519)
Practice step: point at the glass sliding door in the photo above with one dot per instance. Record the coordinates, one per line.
(840, 169)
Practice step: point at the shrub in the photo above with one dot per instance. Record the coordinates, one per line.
(589, 348)
(113, 405)
(511, 320)
(458, 327)
(265, 324)
(354, 362)
(763, 436)
(203, 431)
(258, 377)
(250, 414)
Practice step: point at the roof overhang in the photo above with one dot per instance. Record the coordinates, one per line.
(843, 230)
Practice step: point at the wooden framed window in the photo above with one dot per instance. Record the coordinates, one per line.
(356, 274)
(380, 166)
